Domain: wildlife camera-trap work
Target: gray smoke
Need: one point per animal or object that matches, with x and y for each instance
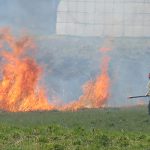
(36, 16)
(69, 61)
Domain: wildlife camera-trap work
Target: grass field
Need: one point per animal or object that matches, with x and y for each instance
(93, 129)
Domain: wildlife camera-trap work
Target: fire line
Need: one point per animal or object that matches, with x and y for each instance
(20, 75)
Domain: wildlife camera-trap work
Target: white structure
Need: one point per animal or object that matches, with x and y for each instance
(104, 18)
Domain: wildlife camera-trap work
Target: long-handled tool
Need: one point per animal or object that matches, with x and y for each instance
(130, 97)
(138, 96)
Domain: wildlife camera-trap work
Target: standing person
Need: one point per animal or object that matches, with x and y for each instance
(148, 93)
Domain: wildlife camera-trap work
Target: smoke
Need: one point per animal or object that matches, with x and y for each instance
(68, 62)
(38, 17)
(130, 66)
(74, 60)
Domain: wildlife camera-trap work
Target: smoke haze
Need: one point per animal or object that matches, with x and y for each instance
(69, 61)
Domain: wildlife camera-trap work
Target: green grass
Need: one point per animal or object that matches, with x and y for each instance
(94, 129)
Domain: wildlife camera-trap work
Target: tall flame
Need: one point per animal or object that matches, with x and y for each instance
(95, 92)
(20, 75)
(19, 88)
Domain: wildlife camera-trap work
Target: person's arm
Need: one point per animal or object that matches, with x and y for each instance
(148, 87)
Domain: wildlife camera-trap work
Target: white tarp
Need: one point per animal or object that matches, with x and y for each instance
(104, 18)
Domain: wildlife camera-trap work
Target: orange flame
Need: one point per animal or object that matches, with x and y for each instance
(19, 88)
(95, 93)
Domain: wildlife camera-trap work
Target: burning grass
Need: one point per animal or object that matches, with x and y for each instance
(20, 75)
(19, 89)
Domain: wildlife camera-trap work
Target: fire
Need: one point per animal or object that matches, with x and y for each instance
(95, 92)
(20, 75)
(107, 45)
